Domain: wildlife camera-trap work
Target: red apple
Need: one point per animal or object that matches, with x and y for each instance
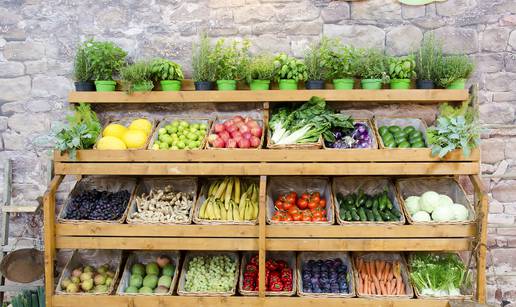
(218, 128)
(247, 135)
(212, 138)
(236, 134)
(231, 128)
(255, 142)
(224, 135)
(238, 138)
(228, 123)
(237, 119)
(219, 143)
(244, 143)
(231, 143)
(243, 129)
(256, 131)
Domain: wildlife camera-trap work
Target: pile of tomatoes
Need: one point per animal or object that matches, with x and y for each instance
(310, 207)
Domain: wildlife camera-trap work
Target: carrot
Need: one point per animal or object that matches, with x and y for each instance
(390, 274)
(368, 267)
(376, 284)
(382, 265)
(366, 285)
(360, 285)
(386, 272)
(399, 286)
(373, 288)
(390, 287)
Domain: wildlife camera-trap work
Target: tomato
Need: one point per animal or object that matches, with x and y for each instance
(290, 199)
(305, 196)
(316, 219)
(276, 218)
(288, 218)
(316, 194)
(293, 210)
(312, 205)
(323, 212)
(287, 206)
(297, 217)
(306, 218)
(293, 194)
(322, 203)
(323, 219)
(278, 204)
(315, 199)
(302, 203)
(317, 214)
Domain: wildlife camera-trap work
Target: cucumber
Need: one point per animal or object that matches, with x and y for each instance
(386, 216)
(354, 215)
(348, 216)
(342, 214)
(370, 216)
(375, 203)
(377, 216)
(381, 204)
(396, 213)
(362, 215)
(389, 204)
(369, 203)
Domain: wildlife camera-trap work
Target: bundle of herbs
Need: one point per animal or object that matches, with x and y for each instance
(306, 123)
(439, 274)
(80, 132)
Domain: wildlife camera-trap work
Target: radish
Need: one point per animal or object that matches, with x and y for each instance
(224, 135)
(256, 131)
(236, 134)
(231, 143)
(219, 128)
(255, 142)
(219, 143)
(247, 135)
(237, 119)
(244, 143)
(228, 123)
(231, 128)
(244, 129)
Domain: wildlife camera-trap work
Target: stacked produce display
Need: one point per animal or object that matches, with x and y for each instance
(152, 277)
(215, 273)
(362, 207)
(88, 279)
(180, 135)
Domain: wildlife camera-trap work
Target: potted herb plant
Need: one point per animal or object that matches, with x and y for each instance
(402, 71)
(341, 63)
(260, 72)
(231, 62)
(137, 77)
(453, 71)
(373, 69)
(82, 71)
(106, 60)
(202, 65)
(289, 71)
(169, 74)
(428, 58)
(316, 70)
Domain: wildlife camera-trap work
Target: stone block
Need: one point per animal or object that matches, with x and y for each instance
(512, 40)
(11, 69)
(454, 7)
(489, 62)
(376, 10)
(495, 39)
(26, 123)
(403, 40)
(335, 12)
(504, 96)
(8, 17)
(225, 3)
(304, 11)
(13, 141)
(493, 150)
(507, 21)
(411, 11)
(457, 40)
(23, 51)
(495, 206)
(510, 62)
(505, 191)
(497, 113)
(501, 82)
(506, 231)
(510, 149)
(270, 43)
(12, 33)
(360, 36)
(253, 14)
(303, 28)
(500, 218)
(15, 88)
(43, 86)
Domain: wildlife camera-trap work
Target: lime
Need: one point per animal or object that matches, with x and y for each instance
(162, 131)
(195, 126)
(174, 147)
(181, 145)
(175, 123)
(163, 145)
(203, 127)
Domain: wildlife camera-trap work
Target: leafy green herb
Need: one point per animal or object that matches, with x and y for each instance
(402, 67)
(261, 67)
(314, 59)
(373, 65)
(204, 69)
(232, 61)
(428, 57)
(452, 68)
(137, 74)
(80, 132)
(439, 274)
(106, 59)
(340, 61)
(82, 66)
(290, 68)
(163, 69)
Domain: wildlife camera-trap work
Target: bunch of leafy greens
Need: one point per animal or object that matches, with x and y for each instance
(231, 60)
(454, 67)
(204, 69)
(341, 61)
(261, 67)
(80, 132)
(439, 274)
(306, 123)
(315, 57)
(137, 74)
(428, 58)
(455, 128)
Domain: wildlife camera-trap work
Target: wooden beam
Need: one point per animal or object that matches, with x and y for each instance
(262, 248)
(457, 168)
(20, 209)
(482, 211)
(385, 96)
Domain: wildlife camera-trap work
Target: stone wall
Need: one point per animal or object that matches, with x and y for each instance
(37, 41)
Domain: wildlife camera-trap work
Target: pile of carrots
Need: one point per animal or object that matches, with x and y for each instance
(379, 277)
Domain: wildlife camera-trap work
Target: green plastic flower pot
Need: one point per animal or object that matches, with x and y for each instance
(343, 84)
(105, 85)
(226, 85)
(458, 84)
(170, 85)
(144, 87)
(259, 85)
(400, 84)
(371, 84)
(287, 84)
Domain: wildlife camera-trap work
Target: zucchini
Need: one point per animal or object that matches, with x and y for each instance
(369, 203)
(362, 214)
(354, 215)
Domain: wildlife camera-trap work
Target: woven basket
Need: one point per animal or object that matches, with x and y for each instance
(370, 185)
(145, 257)
(401, 122)
(167, 121)
(279, 185)
(389, 257)
(204, 194)
(289, 257)
(219, 120)
(101, 183)
(182, 279)
(95, 258)
(303, 257)
(442, 185)
(372, 134)
(126, 121)
(468, 296)
(316, 145)
(179, 184)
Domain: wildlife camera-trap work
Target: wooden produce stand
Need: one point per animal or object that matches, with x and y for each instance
(263, 163)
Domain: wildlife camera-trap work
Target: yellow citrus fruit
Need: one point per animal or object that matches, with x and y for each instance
(141, 124)
(110, 142)
(134, 138)
(115, 130)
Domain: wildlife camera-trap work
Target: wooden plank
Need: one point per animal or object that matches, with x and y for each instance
(235, 301)
(482, 211)
(262, 236)
(273, 231)
(49, 207)
(20, 209)
(369, 244)
(457, 168)
(153, 243)
(387, 96)
(265, 155)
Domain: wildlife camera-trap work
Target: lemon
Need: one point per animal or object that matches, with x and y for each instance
(110, 142)
(141, 124)
(115, 130)
(134, 138)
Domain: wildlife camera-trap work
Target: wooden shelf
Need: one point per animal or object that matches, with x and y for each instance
(244, 96)
(273, 231)
(266, 155)
(234, 301)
